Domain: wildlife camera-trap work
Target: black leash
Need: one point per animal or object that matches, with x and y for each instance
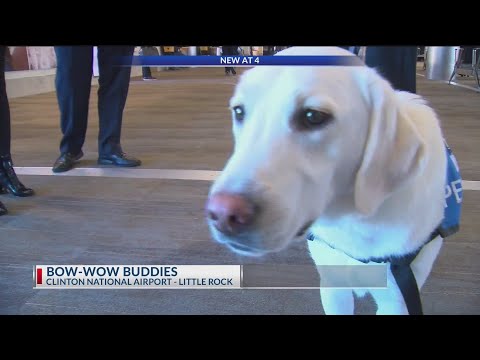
(403, 274)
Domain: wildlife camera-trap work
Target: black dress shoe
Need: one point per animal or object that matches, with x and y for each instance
(9, 181)
(3, 210)
(119, 159)
(66, 161)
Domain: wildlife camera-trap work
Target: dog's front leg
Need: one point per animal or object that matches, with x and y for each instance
(337, 301)
(334, 301)
(390, 301)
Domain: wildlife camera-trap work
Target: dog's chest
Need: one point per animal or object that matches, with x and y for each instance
(361, 240)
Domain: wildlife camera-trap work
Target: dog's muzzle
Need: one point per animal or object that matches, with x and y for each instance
(231, 214)
(234, 220)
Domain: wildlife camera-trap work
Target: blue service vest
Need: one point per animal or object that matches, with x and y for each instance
(453, 196)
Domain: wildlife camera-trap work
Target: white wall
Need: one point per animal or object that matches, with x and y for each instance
(32, 82)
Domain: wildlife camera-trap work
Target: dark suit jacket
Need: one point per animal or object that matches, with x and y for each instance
(397, 64)
(229, 50)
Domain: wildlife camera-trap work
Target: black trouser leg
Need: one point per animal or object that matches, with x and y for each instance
(73, 83)
(146, 72)
(114, 82)
(8, 179)
(5, 135)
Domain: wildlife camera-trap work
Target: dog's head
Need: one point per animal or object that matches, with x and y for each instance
(309, 142)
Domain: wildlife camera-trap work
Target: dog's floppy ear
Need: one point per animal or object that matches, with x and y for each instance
(394, 151)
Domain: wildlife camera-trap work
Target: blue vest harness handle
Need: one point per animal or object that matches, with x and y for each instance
(453, 197)
(400, 266)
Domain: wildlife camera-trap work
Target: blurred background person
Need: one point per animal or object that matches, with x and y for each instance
(397, 64)
(146, 70)
(230, 51)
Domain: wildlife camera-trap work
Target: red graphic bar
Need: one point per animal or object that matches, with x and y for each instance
(39, 276)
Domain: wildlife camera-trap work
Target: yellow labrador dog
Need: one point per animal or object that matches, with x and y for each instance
(335, 150)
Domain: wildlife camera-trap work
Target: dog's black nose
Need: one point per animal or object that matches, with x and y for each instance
(230, 213)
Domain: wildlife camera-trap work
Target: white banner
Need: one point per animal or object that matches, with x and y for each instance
(137, 277)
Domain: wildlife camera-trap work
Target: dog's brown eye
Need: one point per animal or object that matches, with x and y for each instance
(310, 118)
(239, 113)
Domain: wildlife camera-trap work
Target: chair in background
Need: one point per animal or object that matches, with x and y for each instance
(469, 69)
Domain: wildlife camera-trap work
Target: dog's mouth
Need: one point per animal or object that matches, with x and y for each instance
(304, 229)
(247, 246)
(244, 250)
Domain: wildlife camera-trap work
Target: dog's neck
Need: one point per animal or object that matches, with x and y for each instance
(388, 231)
